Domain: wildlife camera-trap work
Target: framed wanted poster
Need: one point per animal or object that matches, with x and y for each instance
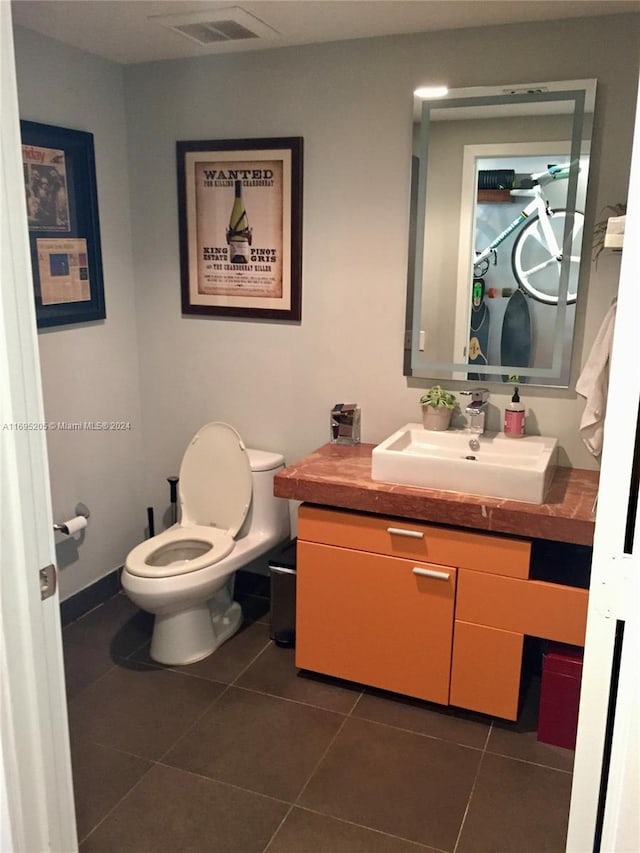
(64, 231)
(240, 209)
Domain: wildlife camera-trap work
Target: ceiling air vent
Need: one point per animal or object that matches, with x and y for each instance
(225, 25)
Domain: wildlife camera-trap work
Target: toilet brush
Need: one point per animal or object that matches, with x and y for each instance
(150, 522)
(173, 496)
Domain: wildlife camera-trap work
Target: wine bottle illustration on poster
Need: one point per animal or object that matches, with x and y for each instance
(238, 232)
(238, 216)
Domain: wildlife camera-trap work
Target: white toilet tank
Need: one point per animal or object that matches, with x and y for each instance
(267, 514)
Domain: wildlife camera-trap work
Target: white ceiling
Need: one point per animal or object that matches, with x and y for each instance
(124, 30)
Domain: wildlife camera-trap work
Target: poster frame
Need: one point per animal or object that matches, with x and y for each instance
(281, 233)
(78, 227)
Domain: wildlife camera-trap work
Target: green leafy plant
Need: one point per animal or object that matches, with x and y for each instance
(438, 398)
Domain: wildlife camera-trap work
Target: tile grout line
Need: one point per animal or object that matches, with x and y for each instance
(278, 827)
(320, 760)
(115, 806)
(315, 768)
(193, 723)
(291, 700)
(517, 758)
(419, 845)
(356, 703)
(87, 612)
(72, 699)
(146, 642)
(488, 737)
(222, 782)
(251, 662)
(529, 761)
(466, 811)
(206, 710)
(473, 787)
(304, 787)
(293, 804)
(418, 734)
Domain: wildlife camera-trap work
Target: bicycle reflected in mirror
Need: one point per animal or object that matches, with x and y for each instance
(537, 252)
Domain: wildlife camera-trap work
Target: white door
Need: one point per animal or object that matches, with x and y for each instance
(606, 788)
(36, 794)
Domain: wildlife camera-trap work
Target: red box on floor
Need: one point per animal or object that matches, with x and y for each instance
(560, 695)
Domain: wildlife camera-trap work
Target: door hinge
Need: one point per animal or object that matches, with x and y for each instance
(48, 580)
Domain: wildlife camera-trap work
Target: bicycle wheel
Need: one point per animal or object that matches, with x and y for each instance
(536, 269)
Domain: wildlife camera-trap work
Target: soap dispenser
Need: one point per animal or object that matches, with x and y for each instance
(514, 417)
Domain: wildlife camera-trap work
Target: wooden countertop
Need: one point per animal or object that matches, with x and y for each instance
(340, 476)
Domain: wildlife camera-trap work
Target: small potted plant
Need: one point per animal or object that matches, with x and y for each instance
(437, 408)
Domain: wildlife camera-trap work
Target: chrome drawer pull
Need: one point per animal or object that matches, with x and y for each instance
(400, 531)
(431, 573)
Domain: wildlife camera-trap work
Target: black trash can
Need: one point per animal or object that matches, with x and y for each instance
(282, 571)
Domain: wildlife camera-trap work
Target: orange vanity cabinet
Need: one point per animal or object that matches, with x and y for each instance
(375, 619)
(493, 614)
(427, 611)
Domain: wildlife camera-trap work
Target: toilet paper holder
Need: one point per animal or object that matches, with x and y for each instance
(70, 526)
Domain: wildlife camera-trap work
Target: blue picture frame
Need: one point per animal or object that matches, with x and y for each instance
(64, 228)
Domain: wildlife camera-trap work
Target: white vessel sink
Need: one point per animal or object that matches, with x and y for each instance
(519, 469)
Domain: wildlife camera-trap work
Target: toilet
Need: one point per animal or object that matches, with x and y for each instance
(228, 517)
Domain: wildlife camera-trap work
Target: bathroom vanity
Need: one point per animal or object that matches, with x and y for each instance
(427, 593)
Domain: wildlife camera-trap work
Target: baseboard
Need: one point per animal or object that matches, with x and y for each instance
(82, 602)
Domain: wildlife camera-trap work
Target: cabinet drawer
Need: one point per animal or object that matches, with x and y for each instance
(485, 672)
(376, 620)
(547, 610)
(415, 541)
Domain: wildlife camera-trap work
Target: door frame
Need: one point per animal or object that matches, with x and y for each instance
(36, 790)
(606, 786)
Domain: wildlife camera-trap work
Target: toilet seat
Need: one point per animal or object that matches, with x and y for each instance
(214, 491)
(219, 542)
(215, 479)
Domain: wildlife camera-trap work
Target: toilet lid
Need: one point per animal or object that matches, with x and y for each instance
(215, 479)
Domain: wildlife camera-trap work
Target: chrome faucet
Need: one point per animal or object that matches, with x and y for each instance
(476, 408)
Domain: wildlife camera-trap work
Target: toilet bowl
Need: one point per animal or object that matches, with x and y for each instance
(229, 516)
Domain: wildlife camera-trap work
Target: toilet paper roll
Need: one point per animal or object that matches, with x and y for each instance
(74, 525)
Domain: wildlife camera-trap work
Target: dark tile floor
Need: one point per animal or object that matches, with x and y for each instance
(241, 753)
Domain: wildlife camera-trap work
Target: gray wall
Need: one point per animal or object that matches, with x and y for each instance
(352, 103)
(90, 371)
(276, 382)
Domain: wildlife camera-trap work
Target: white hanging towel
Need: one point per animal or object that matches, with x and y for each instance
(593, 384)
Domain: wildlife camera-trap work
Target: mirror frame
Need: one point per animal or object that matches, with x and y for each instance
(582, 94)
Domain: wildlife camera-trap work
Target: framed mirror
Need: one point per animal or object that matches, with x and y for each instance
(499, 183)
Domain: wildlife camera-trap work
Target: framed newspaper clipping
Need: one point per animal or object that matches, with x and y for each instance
(64, 231)
(240, 220)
